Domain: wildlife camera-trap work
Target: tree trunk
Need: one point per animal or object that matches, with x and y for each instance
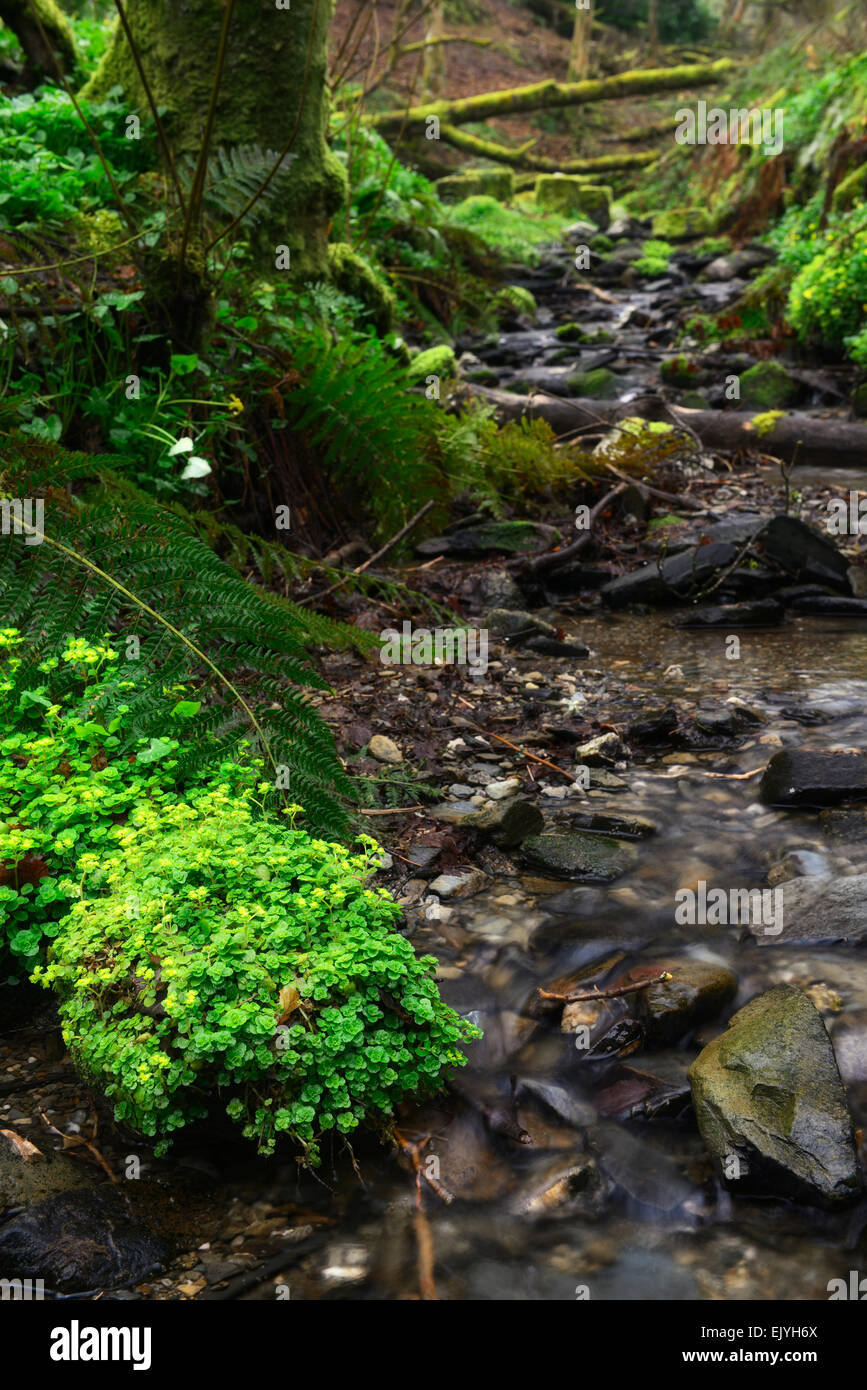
(541, 96)
(804, 438)
(653, 30)
(579, 54)
(273, 84)
(44, 34)
(434, 73)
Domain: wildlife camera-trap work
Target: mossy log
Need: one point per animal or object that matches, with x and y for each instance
(522, 158)
(543, 96)
(44, 34)
(831, 443)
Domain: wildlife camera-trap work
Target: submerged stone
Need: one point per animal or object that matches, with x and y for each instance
(771, 1106)
(578, 855)
(802, 777)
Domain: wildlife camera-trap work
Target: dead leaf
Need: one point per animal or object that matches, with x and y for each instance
(23, 1147)
(290, 1000)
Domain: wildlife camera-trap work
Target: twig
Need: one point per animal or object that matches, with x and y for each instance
(550, 558)
(585, 996)
(389, 545)
(673, 497)
(524, 752)
(391, 811)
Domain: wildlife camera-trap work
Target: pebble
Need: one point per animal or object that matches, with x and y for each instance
(385, 750)
(498, 791)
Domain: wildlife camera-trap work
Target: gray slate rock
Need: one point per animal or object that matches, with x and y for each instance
(819, 909)
(768, 1093)
(802, 777)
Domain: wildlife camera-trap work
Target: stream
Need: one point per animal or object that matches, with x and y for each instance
(562, 1172)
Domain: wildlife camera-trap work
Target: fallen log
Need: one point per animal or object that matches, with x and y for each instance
(793, 438)
(522, 158)
(543, 96)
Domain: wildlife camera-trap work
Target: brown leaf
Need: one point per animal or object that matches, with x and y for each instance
(290, 1000)
(25, 1149)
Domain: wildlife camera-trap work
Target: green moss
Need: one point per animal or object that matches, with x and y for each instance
(571, 195)
(353, 275)
(851, 189)
(436, 361)
(484, 183)
(766, 423)
(600, 384)
(768, 385)
(680, 371)
(682, 224)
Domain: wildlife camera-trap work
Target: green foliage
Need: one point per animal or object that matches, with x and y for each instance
(680, 21)
(516, 232)
(49, 169)
(112, 559)
(654, 258)
(220, 952)
(829, 292)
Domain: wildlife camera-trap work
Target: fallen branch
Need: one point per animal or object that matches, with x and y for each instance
(586, 996)
(552, 559)
(543, 96)
(521, 158)
(829, 442)
(389, 545)
(523, 752)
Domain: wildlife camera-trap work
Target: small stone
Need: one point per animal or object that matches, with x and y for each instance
(385, 750)
(605, 748)
(498, 791)
(462, 885)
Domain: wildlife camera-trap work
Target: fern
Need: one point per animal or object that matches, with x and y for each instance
(114, 560)
(375, 442)
(234, 175)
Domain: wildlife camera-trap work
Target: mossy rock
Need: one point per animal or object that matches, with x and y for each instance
(579, 856)
(859, 400)
(692, 400)
(771, 1106)
(602, 244)
(600, 384)
(680, 371)
(682, 224)
(353, 275)
(767, 386)
(570, 195)
(436, 361)
(489, 183)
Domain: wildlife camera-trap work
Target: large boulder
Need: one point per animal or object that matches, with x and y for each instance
(571, 194)
(771, 1106)
(802, 777)
(485, 183)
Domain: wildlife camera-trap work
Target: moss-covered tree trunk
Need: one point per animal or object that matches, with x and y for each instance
(273, 86)
(43, 33)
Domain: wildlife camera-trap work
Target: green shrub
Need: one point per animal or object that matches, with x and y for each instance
(219, 952)
(829, 292)
(654, 258)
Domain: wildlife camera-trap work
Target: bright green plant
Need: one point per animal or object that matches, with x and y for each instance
(220, 952)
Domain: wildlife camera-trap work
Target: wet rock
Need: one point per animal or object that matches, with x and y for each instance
(803, 554)
(462, 885)
(562, 1101)
(681, 224)
(647, 1089)
(579, 233)
(760, 613)
(770, 1103)
(831, 606)
(847, 824)
(578, 855)
(818, 909)
(385, 750)
(503, 537)
(499, 590)
(24, 1181)
(602, 823)
(605, 748)
(849, 1036)
(672, 580)
(640, 1171)
(553, 646)
(79, 1241)
(505, 823)
(498, 791)
(557, 1184)
(697, 991)
(652, 727)
(802, 777)
(631, 227)
(516, 625)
